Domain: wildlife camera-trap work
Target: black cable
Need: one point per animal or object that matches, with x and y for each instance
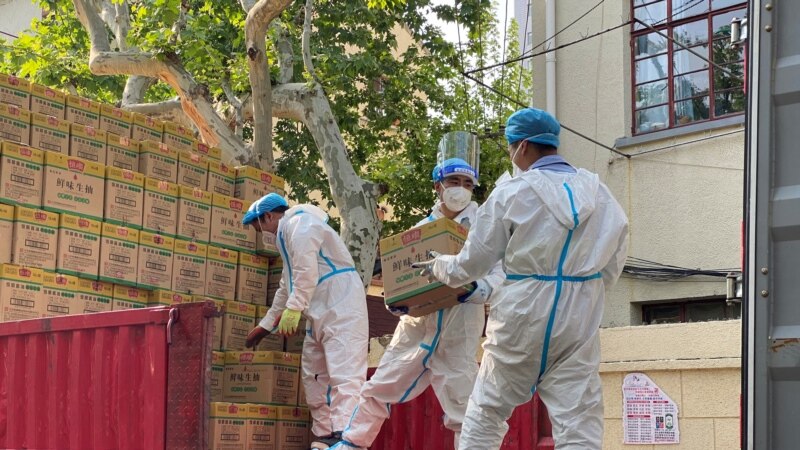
(525, 43)
(667, 147)
(565, 28)
(9, 34)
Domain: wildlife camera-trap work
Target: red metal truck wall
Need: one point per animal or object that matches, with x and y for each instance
(417, 425)
(91, 381)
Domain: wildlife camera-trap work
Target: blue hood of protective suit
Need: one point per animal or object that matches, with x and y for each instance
(550, 186)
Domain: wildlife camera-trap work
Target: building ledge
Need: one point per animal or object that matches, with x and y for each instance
(671, 364)
(629, 141)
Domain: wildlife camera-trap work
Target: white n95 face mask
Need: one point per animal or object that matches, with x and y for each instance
(456, 198)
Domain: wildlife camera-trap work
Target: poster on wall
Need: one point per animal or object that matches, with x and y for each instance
(649, 416)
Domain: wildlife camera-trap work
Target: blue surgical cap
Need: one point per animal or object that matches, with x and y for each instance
(265, 204)
(533, 125)
(453, 166)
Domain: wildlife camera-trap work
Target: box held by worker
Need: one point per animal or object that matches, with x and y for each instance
(227, 229)
(251, 279)
(78, 246)
(49, 133)
(73, 185)
(82, 111)
(402, 284)
(119, 254)
(93, 296)
(261, 377)
(189, 267)
(59, 292)
(20, 293)
(221, 273)
(227, 426)
(160, 213)
(15, 124)
(35, 238)
(21, 175)
(237, 321)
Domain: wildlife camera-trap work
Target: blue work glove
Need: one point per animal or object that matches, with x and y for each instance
(480, 293)
(398, 311)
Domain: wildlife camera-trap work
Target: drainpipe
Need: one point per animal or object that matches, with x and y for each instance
(550, 58)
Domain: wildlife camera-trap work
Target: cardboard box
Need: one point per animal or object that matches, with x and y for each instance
(82, 111)
(252, 184)
(73, 185)
(261, 427)
(216, 324)
(122, 152)
(212, 153)
(49, 102)
(272, 342)
(227, 426)
(119, 254)
(59, 293)
(221, 178)
(189, 267)
(237, 321)
(194, 214)
(294, 343)
(217, 374)
(21, 295)
(155, 261)
(162, 297)
(301, 391)
(127, 297)
(15, 124)
(261, 377)
(146, 129)
(293, 426)
(252, 279)
(21, 175)
(116, 121)
(78, 246)
(178, 137)
(160, 207)
(88, 143)
(227, 229)
(158, 161)
(192, 170)
(15, 91)
(124, 197)
(35, 238)
(6, 230)
(49, 133)
(274, 278)
(93, 296)
(267, 245)
(221, 273)
(402, 284)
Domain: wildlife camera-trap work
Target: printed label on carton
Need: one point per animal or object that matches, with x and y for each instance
(160, 207)
(192, 170)
(59, 293)
(221, 273)
(15, 124)
(6, 229)
(119, 254)
(228, 426)
(162, 297)
(35, 238)
(227, 229)
(78, 246)
(115, 120)
(261, 377)
(88, 143)
(252, 183)
(221, 178)
(14, 91)
(292, 428)
(189, 267)
(128, 297)
(194, 214)
(73, 185)
(237, 322)
(146, 128)
(122, 152)
(124, 197)
(212, 153)
(252, 279)
(48, 101)
(21, 175)
(93, 296)
(82, 111)
(177, 136)
(155, 261)
(20, 293)
(49, 133)
(157, 160)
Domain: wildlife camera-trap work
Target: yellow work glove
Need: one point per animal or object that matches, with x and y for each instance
(288, 322)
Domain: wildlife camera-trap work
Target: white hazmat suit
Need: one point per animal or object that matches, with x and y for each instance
(435, 350)
(562, 238)
(319, 278)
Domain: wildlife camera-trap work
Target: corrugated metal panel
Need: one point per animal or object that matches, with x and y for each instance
(417, 425)
(96, 380)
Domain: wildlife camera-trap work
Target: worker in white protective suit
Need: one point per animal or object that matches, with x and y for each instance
(436, 350)
(319, 281)
(563, 239)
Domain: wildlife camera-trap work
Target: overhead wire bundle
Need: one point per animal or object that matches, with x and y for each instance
(655, 271)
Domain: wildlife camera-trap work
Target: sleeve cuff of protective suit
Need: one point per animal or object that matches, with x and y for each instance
(268, 322)
(441, 271)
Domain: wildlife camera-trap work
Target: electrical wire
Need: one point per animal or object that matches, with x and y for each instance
(654, 271)
(9, 34)
(565, 27)
(524, 43)
(667, 147)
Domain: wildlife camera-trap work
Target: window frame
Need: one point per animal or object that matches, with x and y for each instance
(682, 309)
(668, 28)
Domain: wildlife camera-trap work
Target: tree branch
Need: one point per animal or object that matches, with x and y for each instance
(192, 95)
(255, 30)
(306, 41)
(285, 53)
(171, 110)
(235, 103)
(135, 88)
(179, 24)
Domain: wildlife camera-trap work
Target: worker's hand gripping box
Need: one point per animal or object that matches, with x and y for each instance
(88, 143)
(15, 124)
(160, 207)
(127, 297)
(15, 91)
(221, 178)
(49, 133)
(237, 321)
(49, 102)
(6, 229)
(217, 375)
(261, 427)
(192, 170)
(119, 254)
(59, 293)
(194, 214)
(228, 426)
(73, 185)
(78, 246)
(251, 279)
(189, 267)
(35, 238)
(261, 377)
(20, 293)
(93, 296)
(293, 428)
(402, 284)
(252, 184)
(82, 111)
(124, 197)
(116, 121)
(122, 152)
(227, 229)
(155, 261)
(294, 343)
(271, 342)
(221, 273)
(157, 160)
(146, 129)
(21, 174)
